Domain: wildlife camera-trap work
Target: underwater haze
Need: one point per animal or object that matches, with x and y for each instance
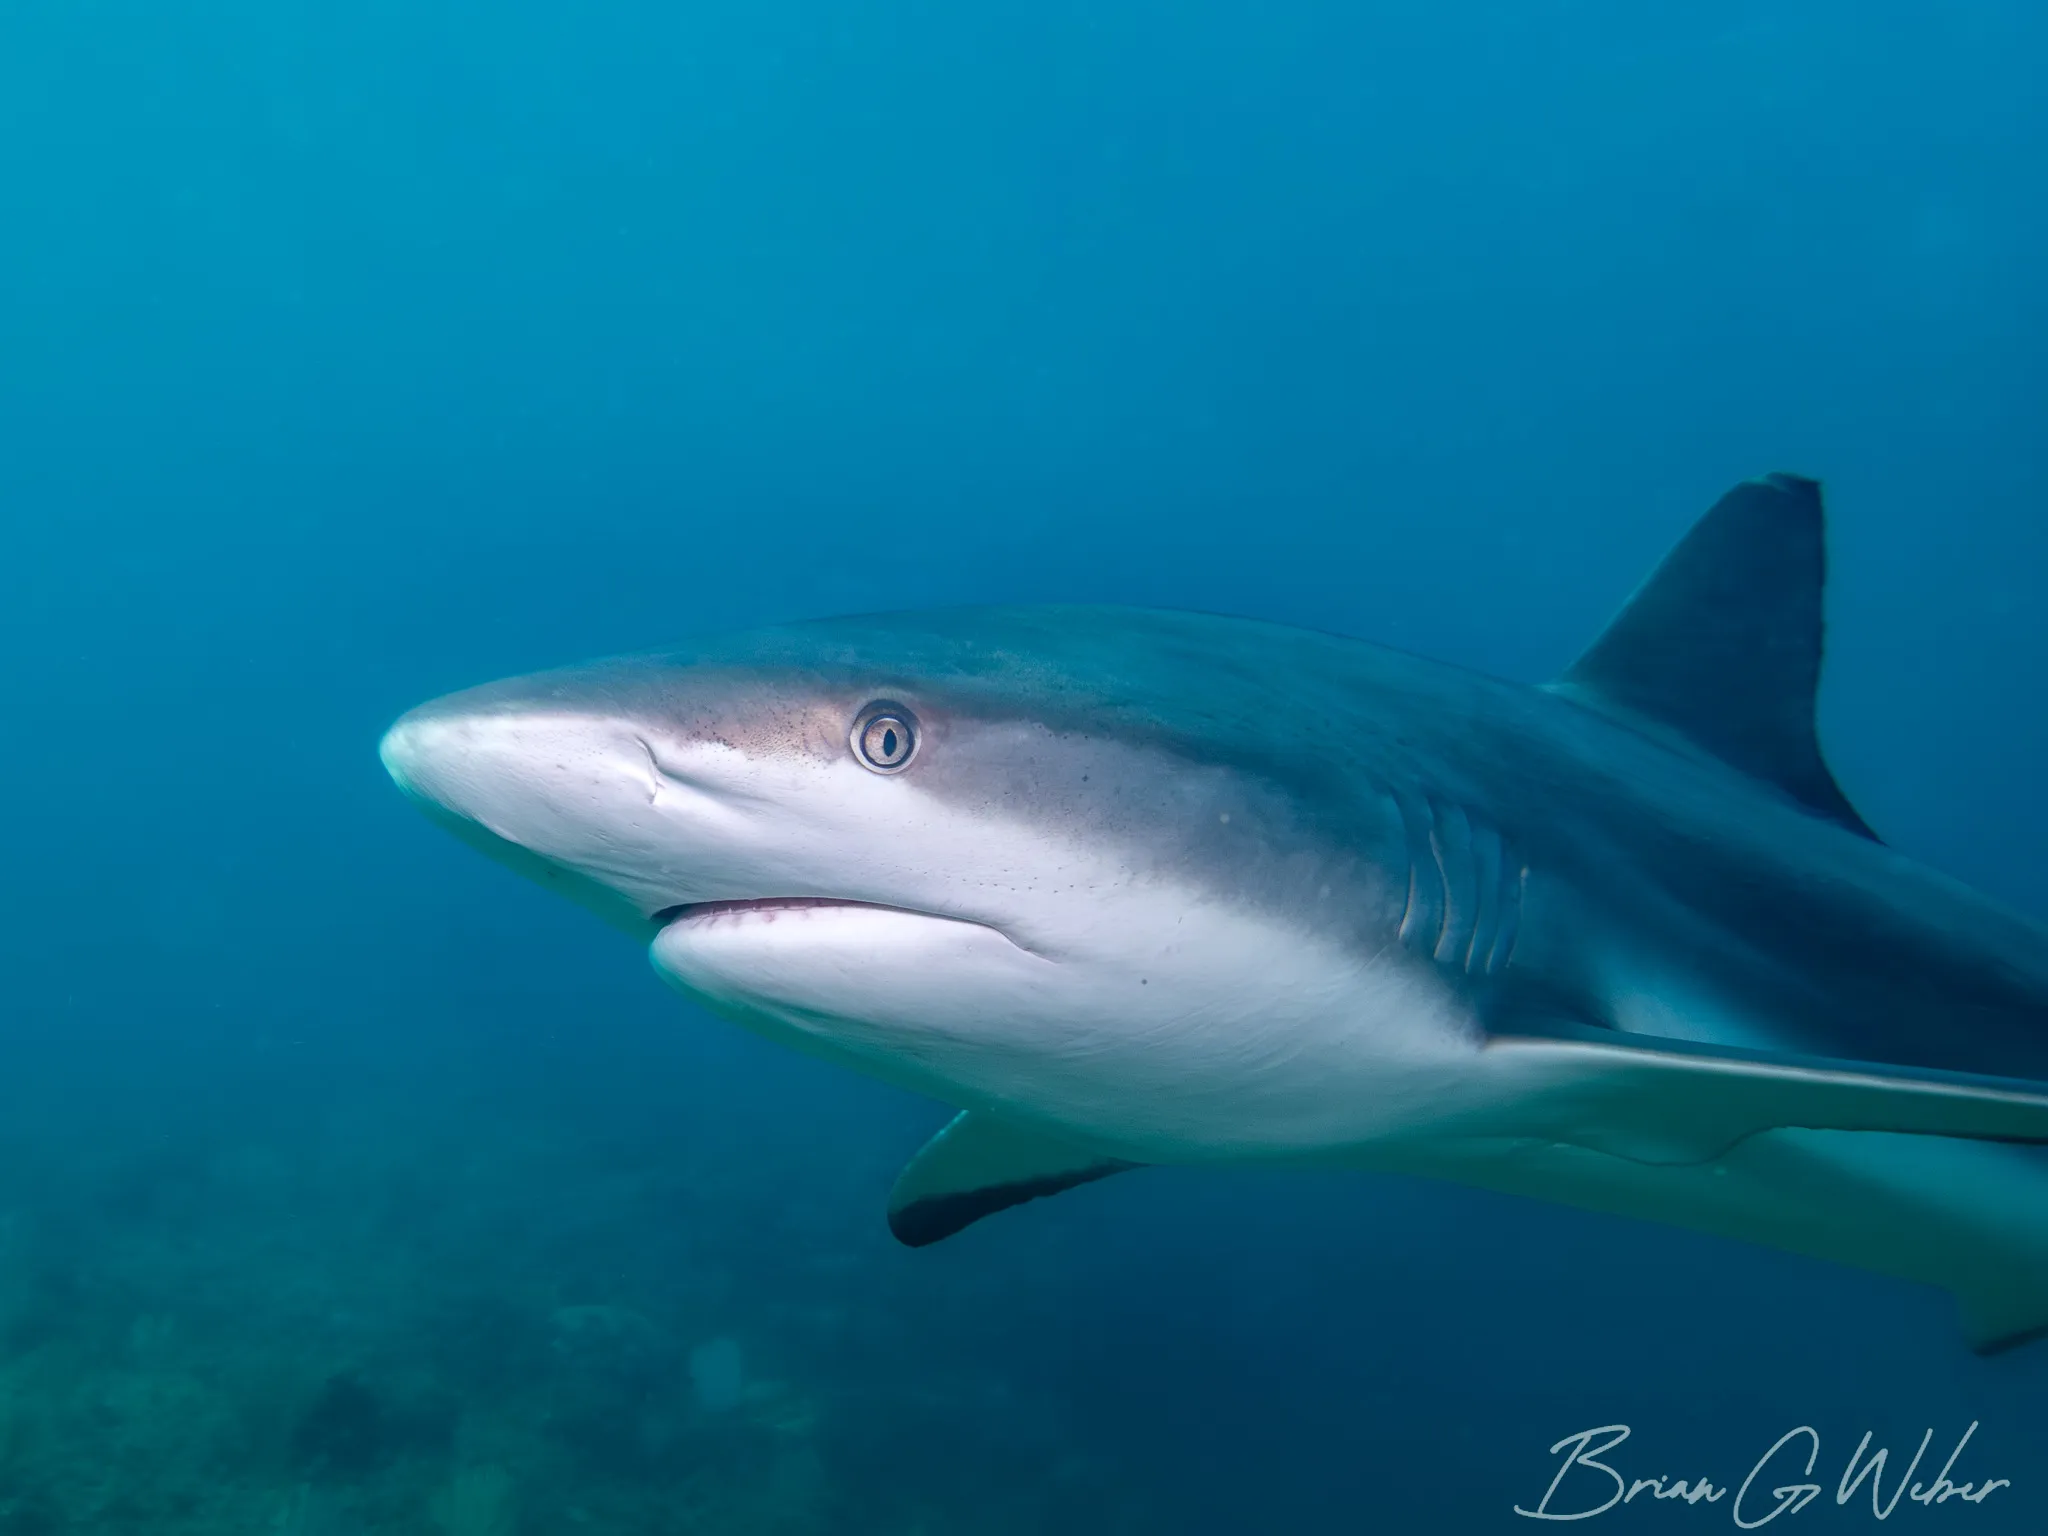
(352, 354)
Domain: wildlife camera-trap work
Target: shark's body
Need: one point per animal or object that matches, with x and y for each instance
(1134, 887)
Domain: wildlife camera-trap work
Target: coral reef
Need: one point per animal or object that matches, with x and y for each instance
(475, 1501)
(392, 1318)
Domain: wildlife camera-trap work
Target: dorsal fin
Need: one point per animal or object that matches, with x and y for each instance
(1723, 643)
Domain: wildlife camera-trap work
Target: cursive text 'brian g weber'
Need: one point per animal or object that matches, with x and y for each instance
(1779, 1483)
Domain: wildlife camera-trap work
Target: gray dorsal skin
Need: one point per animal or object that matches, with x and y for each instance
(1723, 643)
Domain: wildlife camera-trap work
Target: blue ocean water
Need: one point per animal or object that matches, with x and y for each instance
(353, 354)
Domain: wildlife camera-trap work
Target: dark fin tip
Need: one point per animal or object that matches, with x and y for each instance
(1797, 485)
(2012, 1341)
(927, 1221)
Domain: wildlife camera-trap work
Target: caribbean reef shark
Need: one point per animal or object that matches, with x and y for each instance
(1129, 887)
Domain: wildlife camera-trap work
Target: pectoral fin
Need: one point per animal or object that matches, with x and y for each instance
(1675, 1102)
(978, 1165)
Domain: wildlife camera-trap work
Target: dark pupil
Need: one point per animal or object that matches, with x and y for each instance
(888, 743)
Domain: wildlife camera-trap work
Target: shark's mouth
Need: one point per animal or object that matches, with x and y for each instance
(769, 906)
(766, 909)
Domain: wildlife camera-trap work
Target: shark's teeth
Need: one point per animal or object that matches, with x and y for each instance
(756, 904)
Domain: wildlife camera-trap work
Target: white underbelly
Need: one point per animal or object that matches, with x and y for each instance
(1209, 1036)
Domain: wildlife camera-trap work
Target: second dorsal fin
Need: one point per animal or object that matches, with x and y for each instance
(1723, 643)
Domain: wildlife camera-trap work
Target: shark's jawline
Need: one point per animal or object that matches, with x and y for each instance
(689, 909)
(768, 906)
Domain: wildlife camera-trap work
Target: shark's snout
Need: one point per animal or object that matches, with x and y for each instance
(456, 764)
(510, 765)
(409, 751)
(564, 796)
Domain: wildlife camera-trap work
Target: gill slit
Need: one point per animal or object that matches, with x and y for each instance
(1466, 887)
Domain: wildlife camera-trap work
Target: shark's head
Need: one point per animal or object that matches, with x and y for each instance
(1036, 858)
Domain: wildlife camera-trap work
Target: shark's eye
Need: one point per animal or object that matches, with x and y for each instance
(884, 737)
